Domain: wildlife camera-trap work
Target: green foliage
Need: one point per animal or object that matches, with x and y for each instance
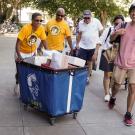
(74, 8)
(20, 25)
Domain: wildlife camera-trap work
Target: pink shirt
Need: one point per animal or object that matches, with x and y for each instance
(126, 58)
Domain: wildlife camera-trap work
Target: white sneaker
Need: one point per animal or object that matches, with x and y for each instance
(107, 98)
(88, 79)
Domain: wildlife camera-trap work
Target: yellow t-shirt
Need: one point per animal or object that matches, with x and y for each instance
(56, 32)
(29, 38)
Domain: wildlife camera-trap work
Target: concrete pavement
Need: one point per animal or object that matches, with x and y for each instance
(94, 119)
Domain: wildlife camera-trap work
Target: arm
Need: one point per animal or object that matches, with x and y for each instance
(17, 48)
(113, 36)
(98, 44)
(97, 48)
(70, 43)
(100, 32)
(95, 55)
(117, 33)
(43, 43)
(20, 38)
(78, 39)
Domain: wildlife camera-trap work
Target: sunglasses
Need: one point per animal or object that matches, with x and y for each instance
(60, 15)
(38, 20)
(86, 18)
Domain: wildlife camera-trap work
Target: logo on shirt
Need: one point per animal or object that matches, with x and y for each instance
(55, 30)
(32, 39)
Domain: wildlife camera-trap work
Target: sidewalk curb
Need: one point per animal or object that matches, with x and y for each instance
(9, 35)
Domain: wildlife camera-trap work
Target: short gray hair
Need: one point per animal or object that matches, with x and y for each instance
(60, 10)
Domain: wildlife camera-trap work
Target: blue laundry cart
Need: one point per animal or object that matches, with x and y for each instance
(56, 92)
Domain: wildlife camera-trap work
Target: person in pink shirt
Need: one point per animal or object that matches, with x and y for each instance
(125, 64)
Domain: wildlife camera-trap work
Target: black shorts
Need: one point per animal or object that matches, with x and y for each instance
(86, 54)
(104, 65)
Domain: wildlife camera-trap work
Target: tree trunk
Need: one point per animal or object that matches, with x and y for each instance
(103, 18)
(14, 13)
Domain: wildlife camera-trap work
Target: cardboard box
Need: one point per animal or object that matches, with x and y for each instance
(36, 60)
(59, 61)
(76, 61)
(49, 53)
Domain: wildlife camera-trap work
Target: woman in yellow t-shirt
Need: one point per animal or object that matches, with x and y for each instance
(26, 44)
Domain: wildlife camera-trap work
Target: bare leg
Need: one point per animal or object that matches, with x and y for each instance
(115, 89)
(16, 77)
(117, 77)
(106, 82)
(131, 97)
(89, 63)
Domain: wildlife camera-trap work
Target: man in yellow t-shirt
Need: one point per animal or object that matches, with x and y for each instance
(26, 44)
(57, 30)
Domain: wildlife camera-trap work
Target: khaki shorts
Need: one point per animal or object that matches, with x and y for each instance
(120, 74)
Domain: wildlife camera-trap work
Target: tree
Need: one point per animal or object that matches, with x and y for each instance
(103, 9)
(14, 5)
(9, 9)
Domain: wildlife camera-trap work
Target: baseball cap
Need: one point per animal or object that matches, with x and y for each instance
(132, 7)
(87, 13)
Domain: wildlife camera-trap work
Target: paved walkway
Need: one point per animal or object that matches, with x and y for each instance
(94, 119)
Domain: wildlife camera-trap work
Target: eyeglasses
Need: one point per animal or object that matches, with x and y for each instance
(60, 15)
(38, 20)
(86, 18)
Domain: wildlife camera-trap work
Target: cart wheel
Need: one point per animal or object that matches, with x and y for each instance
(25, 107)
(52, 121)
(74, 115)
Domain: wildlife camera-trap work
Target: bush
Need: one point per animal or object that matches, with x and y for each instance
(20, 25)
